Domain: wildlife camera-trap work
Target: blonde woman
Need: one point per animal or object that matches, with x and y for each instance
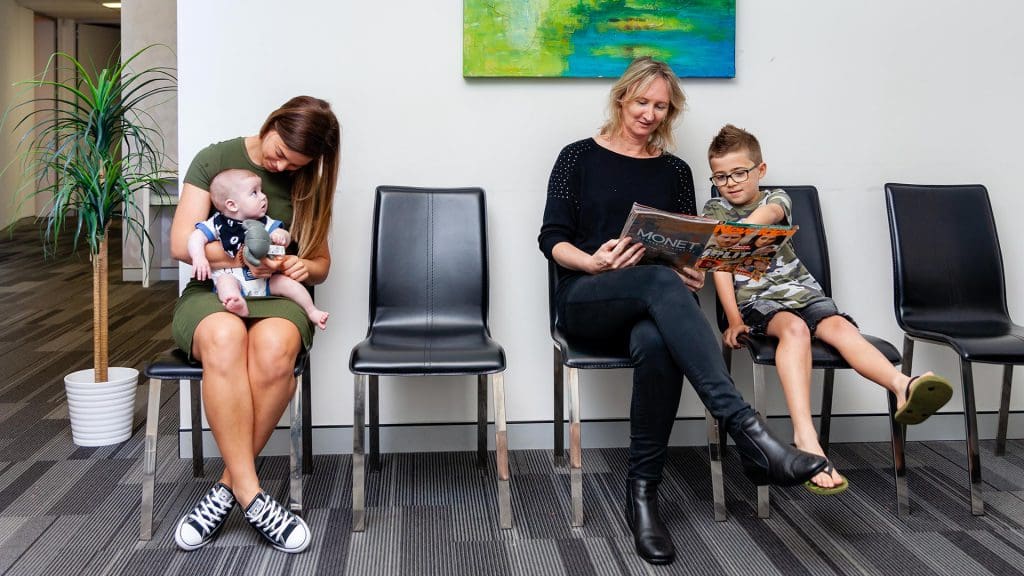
(602, 294)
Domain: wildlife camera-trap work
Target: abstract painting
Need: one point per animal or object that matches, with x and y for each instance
(597, 38)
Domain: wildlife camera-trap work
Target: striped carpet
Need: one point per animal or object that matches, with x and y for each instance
(74, 511)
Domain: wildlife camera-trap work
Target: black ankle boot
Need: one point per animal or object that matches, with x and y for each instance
(766, 460)
(653, 543)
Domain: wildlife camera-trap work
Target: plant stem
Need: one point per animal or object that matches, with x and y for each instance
(100, 313)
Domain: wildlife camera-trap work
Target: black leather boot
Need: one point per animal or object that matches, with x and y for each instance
(766, 460)
(653, 543)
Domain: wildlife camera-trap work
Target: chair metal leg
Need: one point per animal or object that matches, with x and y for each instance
(898, 438)
(559, 410)
(481, 421)
(358, 464)
(374, 423)
(196, 398)
(971, 423)
(763, 493)
(306, 386)
(717, 478)
(575, 448)
(1004, 410)
(149, 461)
(723, 442)
(295, 452)
(501, 452)
(825, 427)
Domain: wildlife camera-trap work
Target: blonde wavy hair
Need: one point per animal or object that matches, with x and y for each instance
(307, 125)
(635, 81)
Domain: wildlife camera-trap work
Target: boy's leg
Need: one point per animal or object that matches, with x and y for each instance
(229, 291)
(281, 285)
(862, 356)
(793, 364)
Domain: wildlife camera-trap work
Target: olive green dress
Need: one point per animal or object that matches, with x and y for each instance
(198, 300)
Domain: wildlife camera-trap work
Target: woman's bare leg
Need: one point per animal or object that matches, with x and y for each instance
(221, 343)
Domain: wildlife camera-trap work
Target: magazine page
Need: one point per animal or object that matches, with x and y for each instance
(746, 249)
(669, 238)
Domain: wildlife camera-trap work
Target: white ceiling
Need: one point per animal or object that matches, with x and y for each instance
(82, 10)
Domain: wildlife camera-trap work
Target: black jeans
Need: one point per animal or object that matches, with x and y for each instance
(669, 338)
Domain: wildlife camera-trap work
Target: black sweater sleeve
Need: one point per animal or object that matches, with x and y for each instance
(561, 209)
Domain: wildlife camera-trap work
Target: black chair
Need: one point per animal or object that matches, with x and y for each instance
(950, 289)
(428, 316)
(580, 354)
(173, 366)
(812, 249)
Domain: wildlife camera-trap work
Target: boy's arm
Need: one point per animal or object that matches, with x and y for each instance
(197, 251)
(767, 214)
(727, 297)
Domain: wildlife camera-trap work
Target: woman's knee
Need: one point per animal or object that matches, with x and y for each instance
(272, 352)
(220, 339)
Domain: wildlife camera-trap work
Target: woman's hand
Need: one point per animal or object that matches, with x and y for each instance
(694, 279)
(266, 268)
(732, 334)
(294, 268)
(616, 254)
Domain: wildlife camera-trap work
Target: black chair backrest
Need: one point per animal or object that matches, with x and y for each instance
(429, 257)
(809, 242)
(945, 253)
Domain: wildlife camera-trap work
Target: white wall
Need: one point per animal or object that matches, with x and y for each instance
(845, 96)
(16, 49)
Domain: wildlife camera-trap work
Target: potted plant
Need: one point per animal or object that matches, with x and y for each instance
(89, 152)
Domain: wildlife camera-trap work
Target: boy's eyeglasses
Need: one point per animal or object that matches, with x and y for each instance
(739, 177)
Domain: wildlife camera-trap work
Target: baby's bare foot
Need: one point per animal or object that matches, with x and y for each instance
(236, 304)
(318, 317)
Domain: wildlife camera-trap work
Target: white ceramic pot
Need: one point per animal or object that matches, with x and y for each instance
(101, 412)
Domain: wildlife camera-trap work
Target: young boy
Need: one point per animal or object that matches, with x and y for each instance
(789, 304)
(238, 195)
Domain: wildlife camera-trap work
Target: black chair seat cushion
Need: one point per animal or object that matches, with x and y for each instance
(762, 351)
(410, 350)
(592, 354)
(175, 365)
(995, 343)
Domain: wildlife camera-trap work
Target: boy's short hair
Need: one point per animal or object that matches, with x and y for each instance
(226, 182)
(732, 139)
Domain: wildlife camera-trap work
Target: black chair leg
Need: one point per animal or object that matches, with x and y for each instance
(481, 421)
(971, 423)
(374, 402)
(307, 419)
(196, 397)
(559, 410)
(1004, 410)
(825, 428)
(898, 438)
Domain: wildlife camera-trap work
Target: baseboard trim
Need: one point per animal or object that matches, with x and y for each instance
(458, 436)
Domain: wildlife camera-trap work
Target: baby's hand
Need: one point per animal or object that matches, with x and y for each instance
(200, 268)
(281, 237)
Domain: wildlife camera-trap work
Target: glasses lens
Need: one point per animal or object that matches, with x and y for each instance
(739, 176)
(719, 179)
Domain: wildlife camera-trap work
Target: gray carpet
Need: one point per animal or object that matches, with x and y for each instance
(70, 510)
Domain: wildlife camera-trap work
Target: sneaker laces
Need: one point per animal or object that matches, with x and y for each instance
(273, 520)
(209, 513)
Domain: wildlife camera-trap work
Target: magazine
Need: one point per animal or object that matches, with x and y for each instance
(680, 240)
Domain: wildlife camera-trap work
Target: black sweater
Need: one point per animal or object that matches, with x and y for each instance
(591, 190)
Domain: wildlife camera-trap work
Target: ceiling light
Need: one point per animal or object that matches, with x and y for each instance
(114, 5)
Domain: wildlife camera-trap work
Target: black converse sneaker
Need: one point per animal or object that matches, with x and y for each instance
(286, 531)
(198, 528)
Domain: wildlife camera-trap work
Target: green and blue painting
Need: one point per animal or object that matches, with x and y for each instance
(597, 38)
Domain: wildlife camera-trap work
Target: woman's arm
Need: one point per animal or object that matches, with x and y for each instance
(612, 255)
(312, 271)
(193, 207)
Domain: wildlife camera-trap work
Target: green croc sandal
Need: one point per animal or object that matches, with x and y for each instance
(821, 490)
(925, 395)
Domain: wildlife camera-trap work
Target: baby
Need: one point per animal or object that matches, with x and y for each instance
(238, 195)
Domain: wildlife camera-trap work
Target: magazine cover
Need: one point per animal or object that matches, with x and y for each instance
(680, 240)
